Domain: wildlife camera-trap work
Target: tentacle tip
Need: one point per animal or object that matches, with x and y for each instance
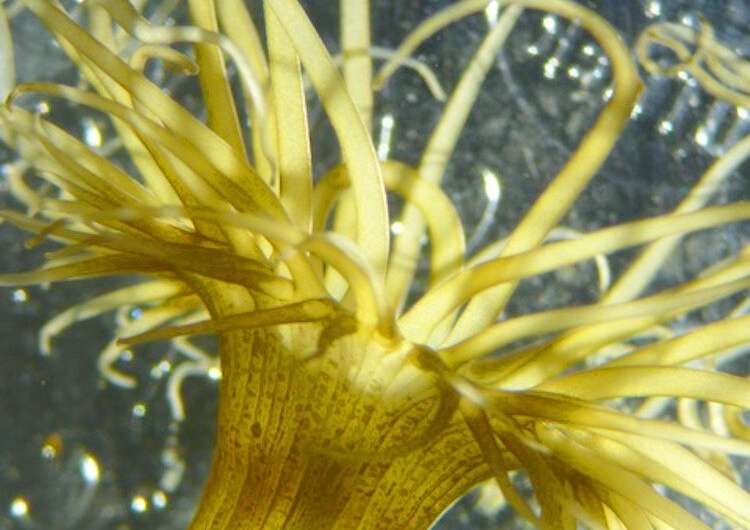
(177, 417)
(118, 379)
(9, 280)
(45, 344)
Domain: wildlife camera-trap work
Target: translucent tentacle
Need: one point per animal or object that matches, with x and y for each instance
(294, 159)
(663, 305)
(438, 302)
(561, 193)
(440, 147)
(301, 312)
(356, 146)
(8, 75)
(174, 116)
(142, 293)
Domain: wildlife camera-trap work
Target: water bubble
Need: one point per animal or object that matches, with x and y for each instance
(161, 369)
(214, 373)
(20, 296)
(654, 9)
(139, 410)
(139, 504)
(666, 127)
(42, 107)
(159, 499)
(491, 184)
(549, 22)
(92, 134)
(550, 68)
(19, 508)
(89, 469)
(385, 137)
(685, 76)
(701, 137)
(52, 447)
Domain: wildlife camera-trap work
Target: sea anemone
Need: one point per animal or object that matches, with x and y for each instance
(358, 391)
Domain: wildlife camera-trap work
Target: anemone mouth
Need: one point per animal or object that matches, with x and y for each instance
(327, 370)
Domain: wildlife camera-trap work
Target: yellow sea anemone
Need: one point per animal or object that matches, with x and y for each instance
(341, 405)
